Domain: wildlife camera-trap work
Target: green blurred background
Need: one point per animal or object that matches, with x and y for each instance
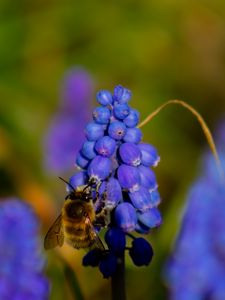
(161, 50)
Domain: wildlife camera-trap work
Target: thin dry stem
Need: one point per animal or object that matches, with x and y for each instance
(201, 121)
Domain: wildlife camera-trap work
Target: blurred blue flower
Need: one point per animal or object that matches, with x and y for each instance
(66, 131)
(196, 269)
(114, 156)
(21, 261)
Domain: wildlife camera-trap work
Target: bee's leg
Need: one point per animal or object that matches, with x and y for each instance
(103, 218)
(97, 189)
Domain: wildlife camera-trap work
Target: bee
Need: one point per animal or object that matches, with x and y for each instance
(76, 223)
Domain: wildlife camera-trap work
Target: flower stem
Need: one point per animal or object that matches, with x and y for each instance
(118, 280)
(201, 121)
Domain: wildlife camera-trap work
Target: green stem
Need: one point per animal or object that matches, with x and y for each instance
(118, 280)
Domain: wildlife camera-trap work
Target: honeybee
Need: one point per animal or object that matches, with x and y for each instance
(75, 224)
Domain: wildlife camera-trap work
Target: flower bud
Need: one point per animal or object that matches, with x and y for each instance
(92, 258)
(141, 199)
(117, 130)
(105, 146)
(108, 265)
(116, 240)
(130, 154)
(121, 111)
(101, 115)
(141, 228)
(88, 149)
(104, 97)
(149, 153)
(155, 198)
(148, 178)
(114, 192)
(150, 218)
(132, 119)
(129, 177)
(141, 252)
(94, 131)
(81, 161)
(100, 167)
(121, 94)
(133, 135)
(126, 217)
(78, 179)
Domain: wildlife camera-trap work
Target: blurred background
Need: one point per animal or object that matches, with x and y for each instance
(160, 50)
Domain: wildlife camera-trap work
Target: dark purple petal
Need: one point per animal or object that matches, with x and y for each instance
(92, 258)
(116, 240)
(141, 252)
(108, 265)
(126, 217)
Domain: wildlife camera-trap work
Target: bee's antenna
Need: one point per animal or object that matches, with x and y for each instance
(69, 184)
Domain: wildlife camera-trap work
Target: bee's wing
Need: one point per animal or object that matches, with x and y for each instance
(55, 235)
(97, 244)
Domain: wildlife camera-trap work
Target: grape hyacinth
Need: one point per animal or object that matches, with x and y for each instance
(115, 158)
(65, 134)
(196, 269)
(21, 261)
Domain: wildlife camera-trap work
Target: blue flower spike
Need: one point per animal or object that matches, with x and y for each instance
(21, 257)
(125, 186)
(195, 269)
